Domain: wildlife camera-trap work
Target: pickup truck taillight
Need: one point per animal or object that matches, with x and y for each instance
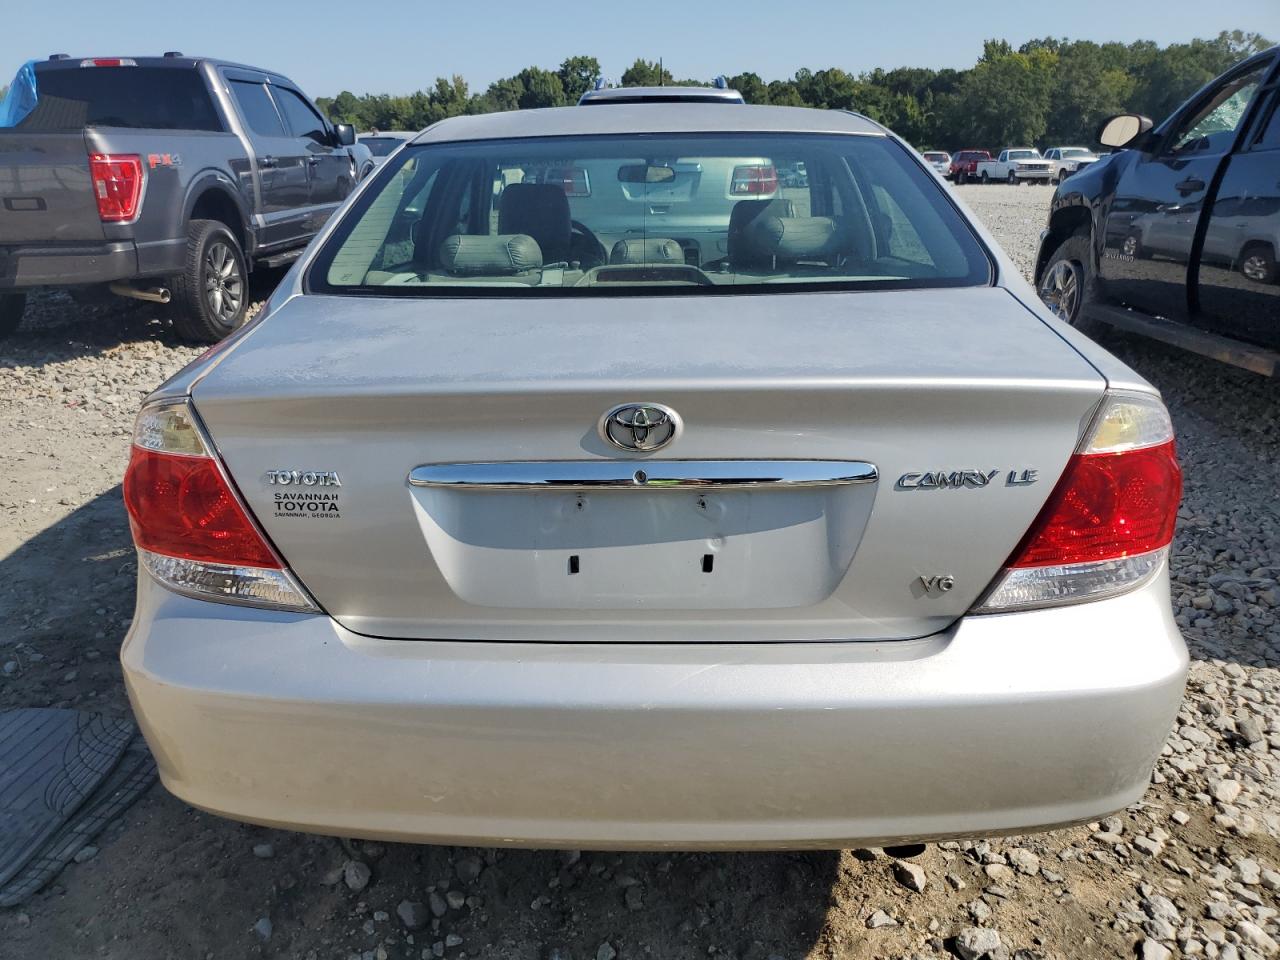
(754, 180)
(117, 185)
(1107, 526)
(193, 533)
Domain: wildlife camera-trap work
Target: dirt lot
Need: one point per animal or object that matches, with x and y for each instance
(1189, 871)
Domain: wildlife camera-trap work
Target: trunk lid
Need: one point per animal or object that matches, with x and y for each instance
(959, 391)
(45, 191)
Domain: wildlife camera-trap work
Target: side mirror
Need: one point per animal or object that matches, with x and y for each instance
(1120, 131)
(345, 133)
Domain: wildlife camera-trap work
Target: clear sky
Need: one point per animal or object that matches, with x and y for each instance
(397, 46)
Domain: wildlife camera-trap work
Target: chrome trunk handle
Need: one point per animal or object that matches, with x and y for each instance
(643, 475)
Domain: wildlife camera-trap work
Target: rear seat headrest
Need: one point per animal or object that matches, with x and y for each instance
(506, 253)
(648, 250)
(795, 238)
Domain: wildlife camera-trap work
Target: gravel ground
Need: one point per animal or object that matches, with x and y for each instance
(1191, 870)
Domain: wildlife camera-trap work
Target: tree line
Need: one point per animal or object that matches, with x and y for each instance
(1045, 91)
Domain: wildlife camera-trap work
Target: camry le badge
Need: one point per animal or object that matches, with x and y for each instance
(961, 479)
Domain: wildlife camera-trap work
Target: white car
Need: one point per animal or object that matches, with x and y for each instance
(1064, 161)
(382, 143)
(940, 160)
(837, 539)
(1016, 165)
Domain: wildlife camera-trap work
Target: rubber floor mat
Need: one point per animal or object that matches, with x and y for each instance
(135, 772)
(50, 762)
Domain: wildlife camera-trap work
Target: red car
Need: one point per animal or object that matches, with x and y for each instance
(964, 164)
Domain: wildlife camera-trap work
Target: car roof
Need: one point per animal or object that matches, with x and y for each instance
(177, 61)
(396, 134)
(672, 94)
(624, 118)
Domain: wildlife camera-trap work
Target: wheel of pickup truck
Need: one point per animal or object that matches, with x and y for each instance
(11, 307)
(1013, 179)
(961, 178)
(211, 294)
(1069, 283)
(985, 178)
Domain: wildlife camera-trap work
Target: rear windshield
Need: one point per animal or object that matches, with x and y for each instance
(152, 98)
(381, 146)
(651, 213)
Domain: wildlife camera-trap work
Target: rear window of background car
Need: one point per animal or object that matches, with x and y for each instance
(155, 98)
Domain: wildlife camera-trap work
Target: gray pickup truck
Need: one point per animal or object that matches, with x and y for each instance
(165, 179)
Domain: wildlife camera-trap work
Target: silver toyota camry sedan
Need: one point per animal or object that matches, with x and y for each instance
(501, 527)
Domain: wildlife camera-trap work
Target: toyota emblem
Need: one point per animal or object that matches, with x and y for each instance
(640, 427)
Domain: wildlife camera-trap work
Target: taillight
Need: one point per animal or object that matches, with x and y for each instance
(117, 185)
(754, 180)
(1107, 526)
(192, 532)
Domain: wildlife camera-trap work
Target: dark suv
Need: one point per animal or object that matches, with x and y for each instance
(1176, 235)
(161, 178)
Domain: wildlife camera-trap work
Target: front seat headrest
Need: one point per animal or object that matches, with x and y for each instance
(503, 254)
(789, 239)
(540, 210)
(744, 212)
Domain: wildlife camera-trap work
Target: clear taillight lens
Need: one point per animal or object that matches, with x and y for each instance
(192, 532)
(1107, 526)
(117, 185)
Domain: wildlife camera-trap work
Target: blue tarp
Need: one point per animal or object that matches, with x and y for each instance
(21, 98)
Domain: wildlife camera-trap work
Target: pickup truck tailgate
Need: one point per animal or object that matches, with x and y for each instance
(46, 194)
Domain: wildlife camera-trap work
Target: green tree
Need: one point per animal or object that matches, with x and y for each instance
(1004, 100)
(346, 107)
(1090, 85)
(830, 89)
(542, 88)
(577, 76)
(504, 94)
(1048, 89)
(642, 73)
(784, 93)
(752, 88)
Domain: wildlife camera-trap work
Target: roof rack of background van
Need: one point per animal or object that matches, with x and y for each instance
(603, 93)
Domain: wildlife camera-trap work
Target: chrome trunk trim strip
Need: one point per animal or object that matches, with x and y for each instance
(643, 475)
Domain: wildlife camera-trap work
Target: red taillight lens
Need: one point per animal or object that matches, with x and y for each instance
(1106, 506)
(1107, 525)
(181, 506)
(117, 185)
(754, 180)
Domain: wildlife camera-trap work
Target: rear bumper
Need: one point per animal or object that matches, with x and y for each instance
(60, 265)
(1001, 724)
